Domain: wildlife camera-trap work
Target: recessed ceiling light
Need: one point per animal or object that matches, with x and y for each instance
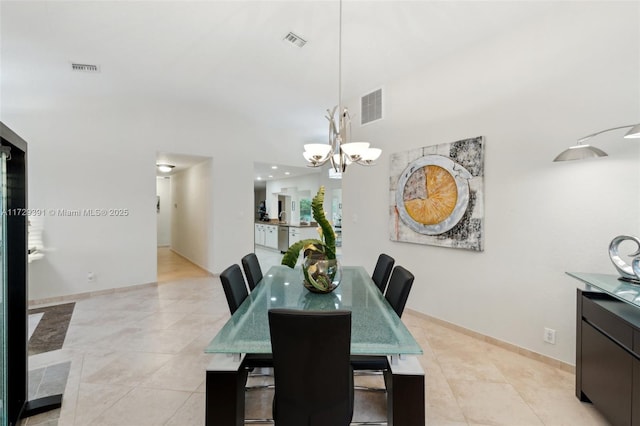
(270, 176)
(274, 167)
(165, 168)
(287, 173)
(258, 178)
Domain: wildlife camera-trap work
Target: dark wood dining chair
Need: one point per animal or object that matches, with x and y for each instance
(313, 376)
(382, 271)
(234, 287)
(399, 288)
(397, 294)
(252, 270)
(236, 292)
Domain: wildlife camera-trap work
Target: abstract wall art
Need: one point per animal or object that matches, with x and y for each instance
(436, 195)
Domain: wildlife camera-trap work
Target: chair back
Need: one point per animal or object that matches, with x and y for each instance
(382, 271)
(252, 270)
(234, 287)
(313, 375)
(399, 288)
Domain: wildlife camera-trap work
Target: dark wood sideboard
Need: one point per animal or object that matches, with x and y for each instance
(608, 356)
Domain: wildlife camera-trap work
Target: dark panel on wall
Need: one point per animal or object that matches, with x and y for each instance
(16, 258)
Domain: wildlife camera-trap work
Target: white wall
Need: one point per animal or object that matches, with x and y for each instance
(531, 94)
(82, 161)
(163, 217)
(101, 153)
(191, 213)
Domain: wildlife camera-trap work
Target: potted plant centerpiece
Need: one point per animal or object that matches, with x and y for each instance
(320, 268)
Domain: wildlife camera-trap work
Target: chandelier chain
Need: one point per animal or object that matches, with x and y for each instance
(340, 151)
(340, 61)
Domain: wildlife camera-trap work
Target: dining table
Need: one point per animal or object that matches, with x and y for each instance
(376, 330)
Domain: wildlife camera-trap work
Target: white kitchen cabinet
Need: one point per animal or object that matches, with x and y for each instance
(266, 235)
(302, 233)
(271, 236)
(294, 235)
(308, 232)
(260, 234)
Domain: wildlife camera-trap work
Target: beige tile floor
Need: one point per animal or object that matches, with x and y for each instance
(172, 266)
(137, 359)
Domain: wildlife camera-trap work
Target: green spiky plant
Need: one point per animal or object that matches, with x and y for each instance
(324, 248)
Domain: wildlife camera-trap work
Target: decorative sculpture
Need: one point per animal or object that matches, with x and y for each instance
(630, 273)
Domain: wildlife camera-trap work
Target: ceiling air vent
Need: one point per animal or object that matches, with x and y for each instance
(294, 39)
(371, 107)
(85, 68)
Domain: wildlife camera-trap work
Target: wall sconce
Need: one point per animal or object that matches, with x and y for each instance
(584, 150)
(164, 168)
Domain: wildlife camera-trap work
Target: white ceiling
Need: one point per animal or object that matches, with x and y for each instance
(231, 55)
(263, 172)
(268, 171)
(180, 162)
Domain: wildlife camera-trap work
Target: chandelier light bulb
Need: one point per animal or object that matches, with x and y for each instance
(355, 150)
(634, 133)
(318, 150)
(371, 155)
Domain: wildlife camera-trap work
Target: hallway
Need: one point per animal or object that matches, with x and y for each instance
(172, 266)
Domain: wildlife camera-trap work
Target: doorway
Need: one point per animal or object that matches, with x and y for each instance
(183, 215)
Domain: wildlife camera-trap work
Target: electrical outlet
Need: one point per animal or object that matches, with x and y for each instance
(91, 277)
(549, 335)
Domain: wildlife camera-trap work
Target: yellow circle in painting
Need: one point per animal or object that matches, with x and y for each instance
(431, 195)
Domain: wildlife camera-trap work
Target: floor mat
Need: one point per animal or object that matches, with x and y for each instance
(52, 328)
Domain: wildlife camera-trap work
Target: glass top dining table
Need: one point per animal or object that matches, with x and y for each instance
(375, 327)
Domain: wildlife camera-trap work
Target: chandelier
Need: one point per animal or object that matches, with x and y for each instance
(339, 151)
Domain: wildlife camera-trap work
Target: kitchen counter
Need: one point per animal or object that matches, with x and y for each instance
(280, 236)
(291, 225)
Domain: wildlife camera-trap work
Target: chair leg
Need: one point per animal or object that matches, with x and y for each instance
(256, 373)
(362, 373)
(259, 387)
(260, 372)
(368, 372)
(369, 422)
(369, 389)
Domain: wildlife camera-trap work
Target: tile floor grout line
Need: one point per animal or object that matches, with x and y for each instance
(455, 396)
(131, 388)
(178, 409)
(77, 393)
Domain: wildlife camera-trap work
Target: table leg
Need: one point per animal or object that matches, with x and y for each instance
(225, 385)
(405, 393)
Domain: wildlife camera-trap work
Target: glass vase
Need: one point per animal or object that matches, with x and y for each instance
(321, 275)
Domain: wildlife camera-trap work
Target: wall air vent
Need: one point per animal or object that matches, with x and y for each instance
(371, 107)
(85, 68)
(294, 39)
